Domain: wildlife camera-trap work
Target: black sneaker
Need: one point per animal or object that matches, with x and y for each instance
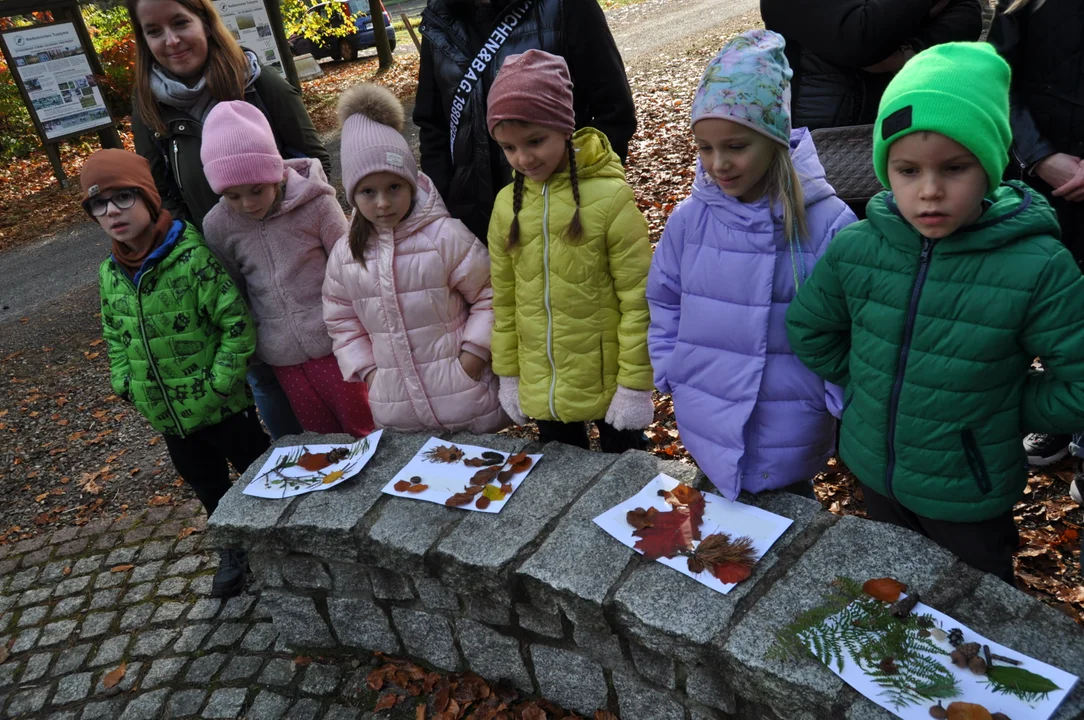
(230, 578)
(1043, 449)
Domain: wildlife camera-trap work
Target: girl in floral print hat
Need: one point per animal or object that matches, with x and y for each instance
(729, 263)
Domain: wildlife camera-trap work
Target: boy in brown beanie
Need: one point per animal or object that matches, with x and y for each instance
(178, 333)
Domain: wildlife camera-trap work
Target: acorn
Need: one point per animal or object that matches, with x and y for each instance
(977, 665)
(969, 649)
(958, 658)
(937, 711)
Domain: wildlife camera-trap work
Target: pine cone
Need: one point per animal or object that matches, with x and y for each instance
(955, 636)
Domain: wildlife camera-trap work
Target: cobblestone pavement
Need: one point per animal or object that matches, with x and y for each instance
(77, 604)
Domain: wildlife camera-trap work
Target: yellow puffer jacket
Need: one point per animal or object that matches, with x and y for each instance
(570, 319)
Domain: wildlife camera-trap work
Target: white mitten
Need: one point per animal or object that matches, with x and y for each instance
(630, 409)
(509, 397)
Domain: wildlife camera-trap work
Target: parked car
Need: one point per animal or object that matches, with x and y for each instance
(347, 46)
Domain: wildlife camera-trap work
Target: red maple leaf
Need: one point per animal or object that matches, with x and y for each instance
(671, 533)
(731, 572)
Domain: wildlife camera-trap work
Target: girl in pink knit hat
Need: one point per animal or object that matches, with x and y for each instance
(273, 229)
(407, 297)
(570, 257)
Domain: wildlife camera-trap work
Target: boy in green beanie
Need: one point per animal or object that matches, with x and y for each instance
(931, 311)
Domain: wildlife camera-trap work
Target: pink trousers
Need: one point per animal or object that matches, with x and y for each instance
(323, 401)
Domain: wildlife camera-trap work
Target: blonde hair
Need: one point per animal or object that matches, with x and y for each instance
(1018, 4)
(226, 68)
(785, 187)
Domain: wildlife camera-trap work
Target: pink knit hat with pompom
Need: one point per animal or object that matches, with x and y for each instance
(372, 120)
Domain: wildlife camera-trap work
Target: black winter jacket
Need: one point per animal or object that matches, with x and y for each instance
(453, 32)
(175, 159)
(829, 41)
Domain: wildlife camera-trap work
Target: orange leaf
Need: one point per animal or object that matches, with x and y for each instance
(401, 486)
(884, 589)
(158, 500)
(313, 462)
(968, 711)
(419, 488)
(114, 677)
(185, 532)
(121, 568)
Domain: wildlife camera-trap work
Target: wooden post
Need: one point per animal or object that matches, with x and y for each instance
(274, 16)
(410, 29)
(380, 34)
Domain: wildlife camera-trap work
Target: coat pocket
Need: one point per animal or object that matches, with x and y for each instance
(975, 461)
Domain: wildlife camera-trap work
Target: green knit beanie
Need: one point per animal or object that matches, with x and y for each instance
(960, 90)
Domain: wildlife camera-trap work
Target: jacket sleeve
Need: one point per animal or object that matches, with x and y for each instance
(332, 223)
(664, 297)
(598, 72)
(120, 370)
(433, 130)
(290, 119)
(629, 249)
(505, 347)
(350, 340)
(960, 21)
(467, 261)
(1054, 330)
(848, 33)
(1028, 144)
(217, 240)
(818, 323)
(148, 148)
(223, 300)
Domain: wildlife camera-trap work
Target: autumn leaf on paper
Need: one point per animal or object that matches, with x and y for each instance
(671, 534)
(332, 477)
(401, 486)
(884, 589)
(313, 462)
(731, 572)
(115, 676)
(690, 497)
(481, 502)
(444, 454)
(417, 488)
(495, 493)
(640, 518)
(459, 500)
(968, 711)
(486, 475)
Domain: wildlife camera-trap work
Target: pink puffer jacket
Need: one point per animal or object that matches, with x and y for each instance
(279, 262)
(422, 297)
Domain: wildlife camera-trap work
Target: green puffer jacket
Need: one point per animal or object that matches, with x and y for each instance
(570, 319)
(933, 341)
(179, 336)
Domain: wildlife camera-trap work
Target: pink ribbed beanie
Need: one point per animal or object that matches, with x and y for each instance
(534, 87)
(238, 147)
(372, 120)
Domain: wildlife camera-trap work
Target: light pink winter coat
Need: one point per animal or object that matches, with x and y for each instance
(422, 297)
(279, 262)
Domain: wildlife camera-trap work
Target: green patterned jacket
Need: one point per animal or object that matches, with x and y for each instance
(179, 335)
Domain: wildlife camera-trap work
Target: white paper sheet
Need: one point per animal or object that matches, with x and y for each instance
(447, 479)
(720, 515)
(974, 688)
(279, 477)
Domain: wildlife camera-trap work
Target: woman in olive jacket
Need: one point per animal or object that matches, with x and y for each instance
(186, 62)
(844, 52)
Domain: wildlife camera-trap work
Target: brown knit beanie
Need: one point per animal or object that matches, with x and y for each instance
(534, 87)
(108, 170)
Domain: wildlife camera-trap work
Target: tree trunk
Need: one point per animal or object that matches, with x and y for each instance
(380, 34)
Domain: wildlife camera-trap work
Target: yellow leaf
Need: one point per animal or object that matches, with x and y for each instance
(332, 477)
(493, 493)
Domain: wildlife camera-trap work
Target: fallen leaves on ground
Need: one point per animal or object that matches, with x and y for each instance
(115, 676)
(458, 695)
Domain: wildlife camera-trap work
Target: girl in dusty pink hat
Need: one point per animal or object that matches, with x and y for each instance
(407, 297)
(273, 229)
(570, 255)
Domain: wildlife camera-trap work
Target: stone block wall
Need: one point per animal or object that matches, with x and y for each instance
(541, 596)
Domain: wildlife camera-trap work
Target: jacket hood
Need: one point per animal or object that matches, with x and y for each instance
(305, 181)
(428, 208)
(750, 216)
(1014, 211)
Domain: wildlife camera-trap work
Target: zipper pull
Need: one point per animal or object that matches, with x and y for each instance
(927, 248)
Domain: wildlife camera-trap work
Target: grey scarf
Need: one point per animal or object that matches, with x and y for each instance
(195, 100)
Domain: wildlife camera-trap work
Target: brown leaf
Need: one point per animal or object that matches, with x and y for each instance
(521, 465)
(640, 518)
(443, 697)
(474, 489)
(604, 715)
(302, 661)
(506, 475)
(459, 500)
(419, 713)
(485, 476)
(386, 702)
(158, 500)
(533, 712)
(968, 711)
(4, 654)
(185, 532)
(67, 571)
(444, 454)
(375, 679)
(506, 488)
(313, 461)
(419, 488)
(121, 568)
(481, 502)
(115, 676)
(884, 589)
(401, 486)
(430, 682)
(517, 458)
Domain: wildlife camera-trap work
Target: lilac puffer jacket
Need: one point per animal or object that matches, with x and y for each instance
(750, 413)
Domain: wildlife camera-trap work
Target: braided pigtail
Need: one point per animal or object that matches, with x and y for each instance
(574, 231)
(517, 203)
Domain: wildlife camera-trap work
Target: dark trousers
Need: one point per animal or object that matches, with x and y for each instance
(611, 439)
(203, 458)
(987, 545)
